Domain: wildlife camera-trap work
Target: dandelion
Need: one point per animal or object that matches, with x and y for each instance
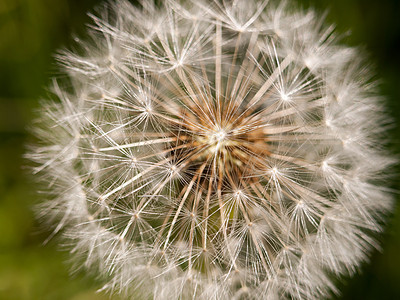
(214, 150)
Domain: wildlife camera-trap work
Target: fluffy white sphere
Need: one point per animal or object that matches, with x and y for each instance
(214, 150)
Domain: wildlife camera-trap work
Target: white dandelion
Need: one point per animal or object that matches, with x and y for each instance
(214, 150)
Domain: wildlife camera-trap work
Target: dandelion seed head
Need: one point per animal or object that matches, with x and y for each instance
(214, 150)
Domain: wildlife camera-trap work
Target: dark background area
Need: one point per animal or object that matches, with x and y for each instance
(31, 31)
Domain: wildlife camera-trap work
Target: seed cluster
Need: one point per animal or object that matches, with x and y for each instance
(214, 150)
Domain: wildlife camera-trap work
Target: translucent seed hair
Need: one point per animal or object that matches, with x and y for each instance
(214, 150)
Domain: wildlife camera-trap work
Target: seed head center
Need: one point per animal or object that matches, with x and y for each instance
(218, 137)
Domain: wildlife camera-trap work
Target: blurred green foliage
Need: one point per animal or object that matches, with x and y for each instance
(31, 31)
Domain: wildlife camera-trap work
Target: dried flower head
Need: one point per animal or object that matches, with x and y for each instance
(214, 150)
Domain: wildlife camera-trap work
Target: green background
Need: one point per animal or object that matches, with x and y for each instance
(31, 31)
